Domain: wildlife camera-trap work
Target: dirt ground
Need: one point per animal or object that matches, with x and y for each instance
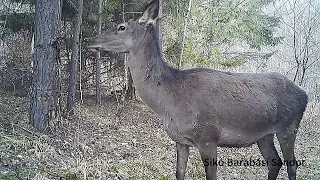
(116, 141)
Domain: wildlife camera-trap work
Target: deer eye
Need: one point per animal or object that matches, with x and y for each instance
(121, 28)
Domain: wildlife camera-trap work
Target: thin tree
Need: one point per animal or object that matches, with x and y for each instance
(300, 27)
(129, 90)
(43, 103)
(305, 26)
(74, 59)
(98, 56)
(159, 24)
(184, 30)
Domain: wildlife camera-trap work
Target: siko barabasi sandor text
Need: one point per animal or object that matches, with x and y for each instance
(252, 162)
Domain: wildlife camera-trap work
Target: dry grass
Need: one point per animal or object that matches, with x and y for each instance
(98, 144)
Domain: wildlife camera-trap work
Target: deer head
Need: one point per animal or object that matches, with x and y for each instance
(123, 37)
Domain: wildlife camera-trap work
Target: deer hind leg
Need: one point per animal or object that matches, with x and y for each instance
(208, 153)
(182, 159)
(270, 154)
(286, 140)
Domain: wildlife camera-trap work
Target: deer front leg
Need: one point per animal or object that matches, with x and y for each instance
(208, 153)
(182, 159)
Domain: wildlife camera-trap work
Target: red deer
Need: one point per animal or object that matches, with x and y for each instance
(206, 108)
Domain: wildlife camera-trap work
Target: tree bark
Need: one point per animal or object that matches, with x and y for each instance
(74, 58)
(98, 57)
(43, 100)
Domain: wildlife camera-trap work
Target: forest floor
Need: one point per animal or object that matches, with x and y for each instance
(102, 142)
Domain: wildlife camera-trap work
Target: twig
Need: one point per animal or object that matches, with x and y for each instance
(25, 129)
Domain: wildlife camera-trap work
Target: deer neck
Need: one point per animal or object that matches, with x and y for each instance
(149, 72)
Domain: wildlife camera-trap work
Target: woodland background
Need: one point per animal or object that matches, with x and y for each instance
(92, 124)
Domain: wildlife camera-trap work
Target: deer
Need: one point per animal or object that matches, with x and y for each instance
(206, 108)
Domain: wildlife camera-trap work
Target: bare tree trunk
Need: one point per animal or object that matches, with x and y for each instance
(295, 45)
(129, 91)
(43, 103)
(80, 69)
(183, 38)
(159, 23)
(74, 59)
(32, 51)
(306, 55)
(98, 57)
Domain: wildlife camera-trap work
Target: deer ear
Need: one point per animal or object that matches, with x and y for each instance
(150, 13)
